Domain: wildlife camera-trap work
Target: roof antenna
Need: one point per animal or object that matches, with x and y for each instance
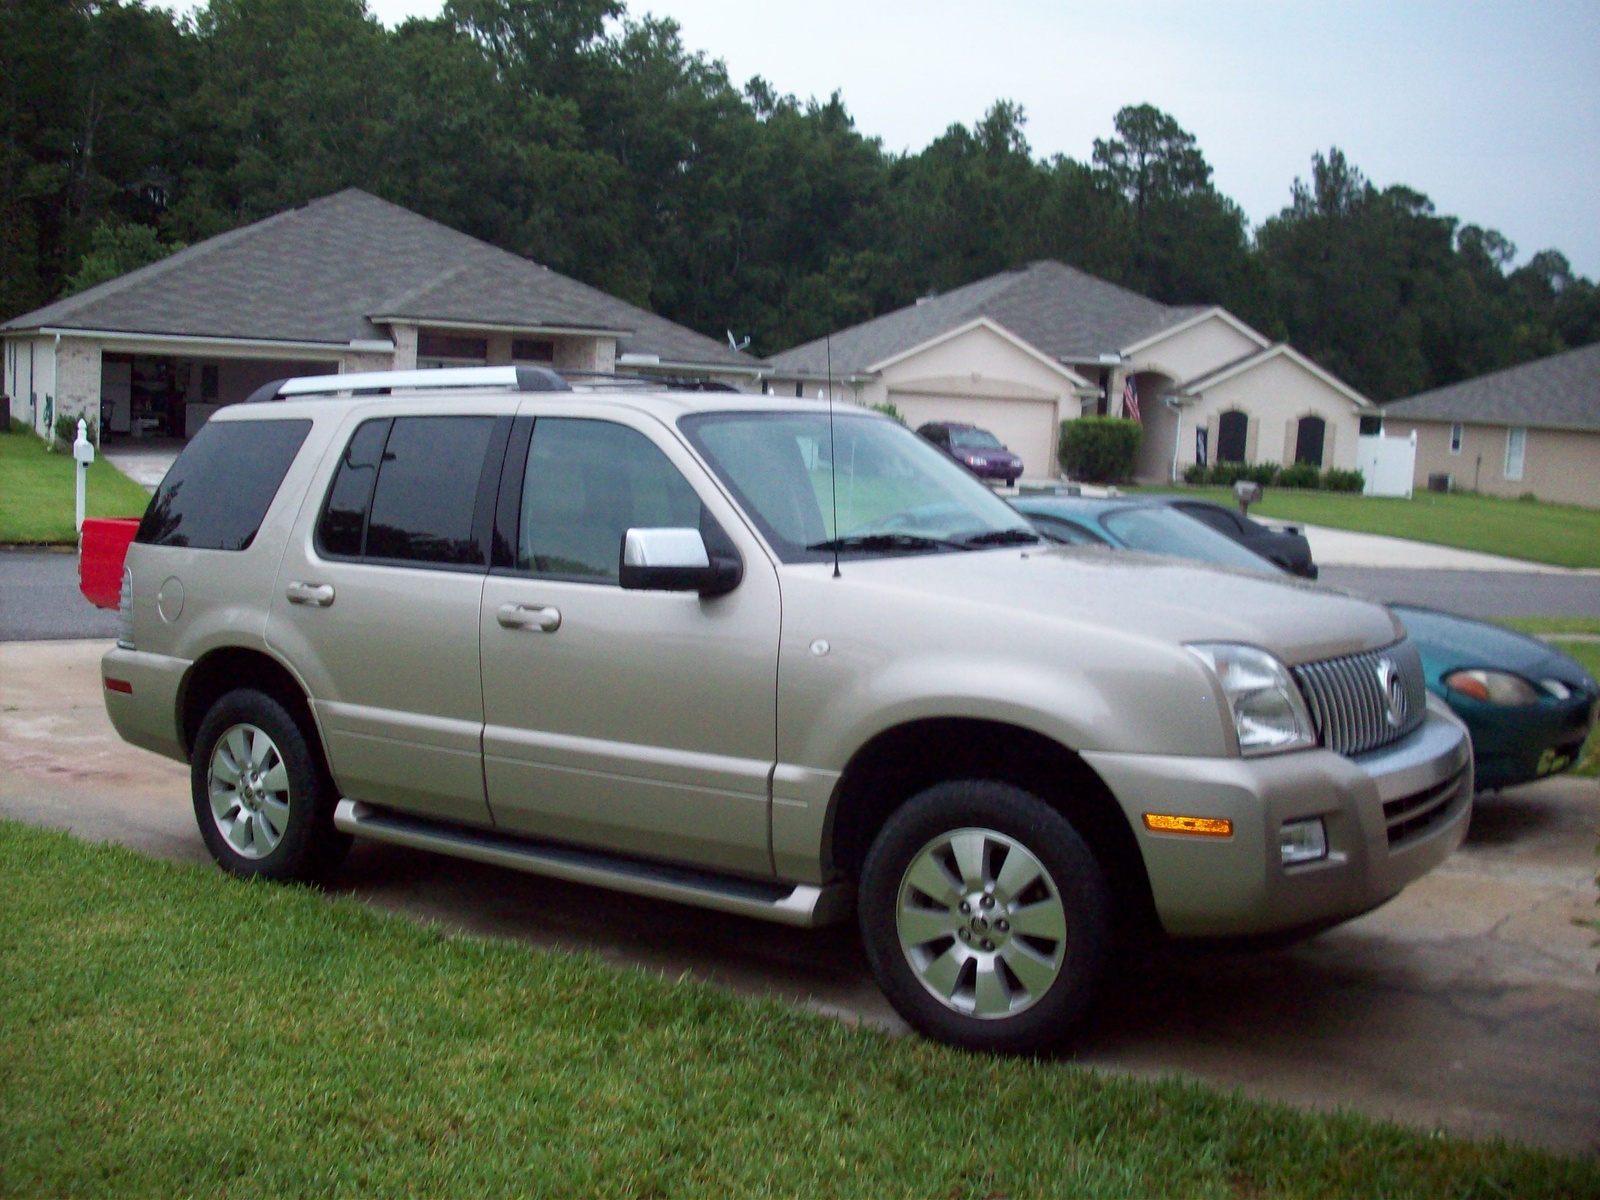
(833, 462)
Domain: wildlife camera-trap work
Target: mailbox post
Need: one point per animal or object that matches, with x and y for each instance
(1246, 493)
(83, 453)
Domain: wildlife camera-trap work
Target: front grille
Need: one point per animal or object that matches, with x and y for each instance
(1410, 815)
(1350, 705)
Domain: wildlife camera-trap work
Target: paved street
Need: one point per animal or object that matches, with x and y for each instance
(39, 599)
(1469, 1003)
(1475, 593)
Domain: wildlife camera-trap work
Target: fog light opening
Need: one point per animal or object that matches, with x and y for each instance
(1302, 841)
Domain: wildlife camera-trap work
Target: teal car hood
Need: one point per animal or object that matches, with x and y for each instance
(1449, 643)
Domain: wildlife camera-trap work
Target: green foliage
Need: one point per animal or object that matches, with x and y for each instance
(1100, 449)
(888, 409)
(38, 490)
(1300, 475)
(1266, 474)
(593, 140)
(1335, 480)
(1196, 473)
(67, 431)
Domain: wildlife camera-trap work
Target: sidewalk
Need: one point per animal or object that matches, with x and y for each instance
(1342, 548)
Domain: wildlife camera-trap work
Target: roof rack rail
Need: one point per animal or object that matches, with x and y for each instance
(521, 379)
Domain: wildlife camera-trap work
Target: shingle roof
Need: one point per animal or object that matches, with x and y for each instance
(1559, 392)
(320, 272)
(1059, 310)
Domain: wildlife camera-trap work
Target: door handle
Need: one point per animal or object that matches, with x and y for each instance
(526, 616)
(319, 594)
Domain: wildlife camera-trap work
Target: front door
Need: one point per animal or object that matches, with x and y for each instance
(635, 721)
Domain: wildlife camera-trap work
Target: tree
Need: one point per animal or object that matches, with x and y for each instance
(115, 250)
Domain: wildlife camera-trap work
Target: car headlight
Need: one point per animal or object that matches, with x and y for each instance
(1268, 712)
(1492, 687)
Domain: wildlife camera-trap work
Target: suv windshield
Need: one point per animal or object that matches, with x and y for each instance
(896, 493)
(975, 439)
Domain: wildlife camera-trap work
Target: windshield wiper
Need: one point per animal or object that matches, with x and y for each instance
(1002, 537)
(888, 541)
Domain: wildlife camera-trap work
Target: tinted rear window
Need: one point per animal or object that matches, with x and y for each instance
(217, 493)
(427, 491)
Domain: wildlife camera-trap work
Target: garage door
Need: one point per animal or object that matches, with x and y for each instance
(1027, 427)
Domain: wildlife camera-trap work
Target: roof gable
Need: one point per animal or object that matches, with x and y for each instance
(1560, 392)
(322, 272)
(1251, 362)
(1067, 373)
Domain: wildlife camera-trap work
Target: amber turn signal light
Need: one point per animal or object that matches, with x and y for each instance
(1198, 826)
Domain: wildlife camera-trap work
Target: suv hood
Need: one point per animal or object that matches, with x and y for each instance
(1166, 599)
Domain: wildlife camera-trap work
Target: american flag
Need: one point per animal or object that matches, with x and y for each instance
(1130, 400)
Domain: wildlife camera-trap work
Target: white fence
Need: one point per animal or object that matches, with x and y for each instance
(1388, 464)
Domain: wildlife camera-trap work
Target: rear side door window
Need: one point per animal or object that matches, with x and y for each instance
(417, 491)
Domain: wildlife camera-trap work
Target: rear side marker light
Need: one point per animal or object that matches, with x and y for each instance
(1195, 826)
(119, 685)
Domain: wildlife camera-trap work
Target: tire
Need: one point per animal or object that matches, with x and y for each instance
(941, 892)
(275, 819)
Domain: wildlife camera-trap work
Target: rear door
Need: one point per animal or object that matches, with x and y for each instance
(634, 721)
(378, 597)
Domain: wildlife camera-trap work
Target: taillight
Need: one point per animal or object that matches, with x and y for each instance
(125, 611)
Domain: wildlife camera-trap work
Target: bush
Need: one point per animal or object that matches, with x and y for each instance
(67, 430)
(889, 410)
(1100, 449)
(1225, 474)
(1266, 474)
(1301, 475)
(1336, 480)
(1196, 473)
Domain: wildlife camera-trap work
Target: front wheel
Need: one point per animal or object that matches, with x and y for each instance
(262, 798)
(985, 917)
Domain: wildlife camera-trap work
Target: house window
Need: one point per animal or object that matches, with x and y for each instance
(450, 350)
(1516, 449)
(1455, 438)
(208, 383)
(1308, 440)
(531, 350)
(1232, 427)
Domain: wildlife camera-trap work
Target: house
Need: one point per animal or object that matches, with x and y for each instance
(1024, 350)
(345, 283)
(1528, 430)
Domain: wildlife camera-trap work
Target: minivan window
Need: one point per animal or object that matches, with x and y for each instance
(217, 493)
(427, 491)
(589, 482)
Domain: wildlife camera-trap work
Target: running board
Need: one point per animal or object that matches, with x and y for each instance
(799, 904)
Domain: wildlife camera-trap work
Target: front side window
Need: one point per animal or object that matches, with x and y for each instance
(588, 483)
(217, 494)
(407, 490)
(895, 493)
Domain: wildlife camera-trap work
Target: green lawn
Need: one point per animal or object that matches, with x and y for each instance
(1560, 535)
(37, 492)
(1588, 653)
(169, 1030)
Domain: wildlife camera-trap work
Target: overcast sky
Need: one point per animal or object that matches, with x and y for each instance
(1490, 107)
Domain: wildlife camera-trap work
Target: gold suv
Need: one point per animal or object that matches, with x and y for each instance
(757, 655)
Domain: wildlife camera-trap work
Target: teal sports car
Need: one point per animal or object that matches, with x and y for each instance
(1528, 706)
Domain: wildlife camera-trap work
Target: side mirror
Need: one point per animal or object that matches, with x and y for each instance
(675, 560)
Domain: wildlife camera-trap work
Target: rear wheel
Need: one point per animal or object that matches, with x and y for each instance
(262, 797)
(985, 917)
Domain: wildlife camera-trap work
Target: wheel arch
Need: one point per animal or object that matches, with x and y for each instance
(902, 761)
(227, 668)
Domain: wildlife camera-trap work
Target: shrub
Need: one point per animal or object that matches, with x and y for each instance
(1196, 473)
(1336, 480)
(1301, 475)
(1266, 474)
(1225, 474)
(67, 430)
(889, 410)
(1100, 449)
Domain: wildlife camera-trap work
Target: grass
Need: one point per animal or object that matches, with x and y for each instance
(171, 1030)
(1557, 534)
(1587, 653)
(37, 492)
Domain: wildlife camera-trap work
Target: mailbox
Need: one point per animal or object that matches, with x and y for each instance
(1246, 493)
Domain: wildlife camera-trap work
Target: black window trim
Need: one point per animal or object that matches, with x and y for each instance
(483, 511)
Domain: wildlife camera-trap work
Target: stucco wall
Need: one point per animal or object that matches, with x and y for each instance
(367, 360)
(1195, 351)
(1275, 395)
(405, 347)
(1560, 466)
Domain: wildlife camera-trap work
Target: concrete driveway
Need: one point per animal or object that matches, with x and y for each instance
(1469, 1003)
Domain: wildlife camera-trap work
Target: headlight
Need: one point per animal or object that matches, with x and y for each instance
(1492, 687)
(1268, 713)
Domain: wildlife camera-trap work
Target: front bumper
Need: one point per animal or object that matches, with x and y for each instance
(1391, 816)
